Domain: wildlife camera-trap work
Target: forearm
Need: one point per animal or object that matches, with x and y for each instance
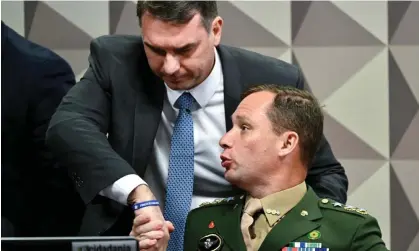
(140, 193)
(77, 137)
(86, 153)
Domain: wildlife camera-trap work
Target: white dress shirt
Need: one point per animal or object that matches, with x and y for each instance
(209, 126)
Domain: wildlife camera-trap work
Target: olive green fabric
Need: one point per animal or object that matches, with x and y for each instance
(336, 226)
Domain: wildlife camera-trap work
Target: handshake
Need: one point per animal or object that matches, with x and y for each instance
(150, 228)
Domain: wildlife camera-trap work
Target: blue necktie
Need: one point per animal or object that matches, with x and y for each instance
(181, 172)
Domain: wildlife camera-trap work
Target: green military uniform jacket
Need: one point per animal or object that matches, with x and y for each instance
(216, 226)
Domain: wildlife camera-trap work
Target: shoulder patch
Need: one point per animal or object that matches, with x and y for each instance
(224, 201)
(217, 202)
(334, 205)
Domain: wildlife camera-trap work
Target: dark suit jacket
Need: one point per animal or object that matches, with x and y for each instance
(121, 96)
(36, 195)
(337, 227)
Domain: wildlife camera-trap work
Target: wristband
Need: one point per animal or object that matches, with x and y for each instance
(143, 204)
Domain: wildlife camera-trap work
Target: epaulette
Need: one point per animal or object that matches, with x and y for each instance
(334, 205)
(216, 202)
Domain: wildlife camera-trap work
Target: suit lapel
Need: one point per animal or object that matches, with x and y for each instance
(226, 226)
(294, 225)
(232, 83)
(147, 114)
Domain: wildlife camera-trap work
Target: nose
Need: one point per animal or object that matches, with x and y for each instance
(226, 141)
(171, 64)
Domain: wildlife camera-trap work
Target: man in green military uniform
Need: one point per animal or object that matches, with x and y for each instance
(276, 131)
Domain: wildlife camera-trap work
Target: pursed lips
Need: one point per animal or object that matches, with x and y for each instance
(225, 161)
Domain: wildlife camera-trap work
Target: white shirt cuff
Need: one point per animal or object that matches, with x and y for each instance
(120, 189)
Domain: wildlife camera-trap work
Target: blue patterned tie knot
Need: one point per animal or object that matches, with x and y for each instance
(185, 101)
(181, 172)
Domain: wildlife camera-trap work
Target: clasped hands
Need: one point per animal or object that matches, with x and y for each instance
(149, 226)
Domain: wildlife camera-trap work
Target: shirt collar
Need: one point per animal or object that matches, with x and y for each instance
(276, 205)
(203, 92)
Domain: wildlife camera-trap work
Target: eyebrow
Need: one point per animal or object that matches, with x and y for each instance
(241, 119)
(150, 46)
(178, 49)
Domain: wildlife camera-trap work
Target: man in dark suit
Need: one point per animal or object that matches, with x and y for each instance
(38, 198)
(164, 99)
(284, 127)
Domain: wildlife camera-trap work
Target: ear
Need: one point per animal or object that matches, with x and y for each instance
(217, 28)
(288, 141)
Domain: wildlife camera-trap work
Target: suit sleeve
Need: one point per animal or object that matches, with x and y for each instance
(77, 131)
(368, 237)
(326, 175)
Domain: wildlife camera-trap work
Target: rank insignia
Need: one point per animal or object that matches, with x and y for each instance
(361, 211)
(350, 208)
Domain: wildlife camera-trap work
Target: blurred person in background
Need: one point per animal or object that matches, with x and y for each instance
(37, 197)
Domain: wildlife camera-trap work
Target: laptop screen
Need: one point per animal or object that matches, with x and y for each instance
(108, 243)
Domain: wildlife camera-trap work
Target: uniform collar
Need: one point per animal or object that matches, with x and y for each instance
(276, 205)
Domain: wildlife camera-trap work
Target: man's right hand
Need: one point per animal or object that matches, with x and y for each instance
(149, 226)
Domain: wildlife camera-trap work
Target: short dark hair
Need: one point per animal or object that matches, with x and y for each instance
(179, 12)
(295, 110)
